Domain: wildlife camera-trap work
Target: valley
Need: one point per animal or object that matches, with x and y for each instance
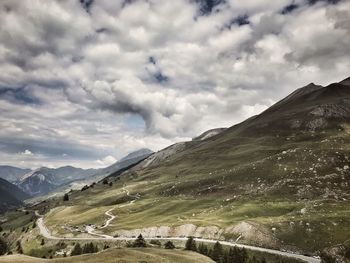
(277, 183)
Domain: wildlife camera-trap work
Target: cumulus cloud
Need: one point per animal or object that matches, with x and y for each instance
(82, 80)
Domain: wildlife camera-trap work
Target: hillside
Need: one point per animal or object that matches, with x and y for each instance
(267, 181)
(152, 255)
(10, 195)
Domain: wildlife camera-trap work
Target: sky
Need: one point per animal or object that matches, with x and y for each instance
(84, 82)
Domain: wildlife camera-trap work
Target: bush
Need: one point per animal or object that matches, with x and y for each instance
(105, 181)
(42, 242)
(169, 245)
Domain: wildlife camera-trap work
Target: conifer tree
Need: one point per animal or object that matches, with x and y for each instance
(217, 252)
(76, 250)
(140, 242)
(191, 244)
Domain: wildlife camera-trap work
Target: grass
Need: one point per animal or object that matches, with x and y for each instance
(124, 255)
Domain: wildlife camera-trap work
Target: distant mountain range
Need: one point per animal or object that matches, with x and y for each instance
(45, 180)
(12, 174)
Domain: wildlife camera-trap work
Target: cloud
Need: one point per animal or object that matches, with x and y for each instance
(27, 152)
(107, 161)
(82, 80)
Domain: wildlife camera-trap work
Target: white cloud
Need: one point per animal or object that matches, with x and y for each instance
(108, 160)
(27, 152)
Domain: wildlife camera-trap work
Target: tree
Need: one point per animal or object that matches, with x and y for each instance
(66, 197)
(110, 184)
(90, 248)
(19, 247)
(169, 245)
(76, 250)
(1, 229)
(105, 246)
(42, 242)
(217, 252)
(105, 181)
(191, 244)
(34, 224)
(203, 249)
(3, 247)
(263, 260)
(139, 242)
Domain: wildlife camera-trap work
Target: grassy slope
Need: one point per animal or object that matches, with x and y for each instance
(226, 185)
(121, 255)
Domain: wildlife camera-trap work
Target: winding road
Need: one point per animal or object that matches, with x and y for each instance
(44, 231)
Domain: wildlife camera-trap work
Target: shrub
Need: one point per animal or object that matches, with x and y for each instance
(169, 245)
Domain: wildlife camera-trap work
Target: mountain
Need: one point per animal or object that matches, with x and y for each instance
(10, 195)
(44, 180)
(279, 179)
(12, 174)
(311, 108)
